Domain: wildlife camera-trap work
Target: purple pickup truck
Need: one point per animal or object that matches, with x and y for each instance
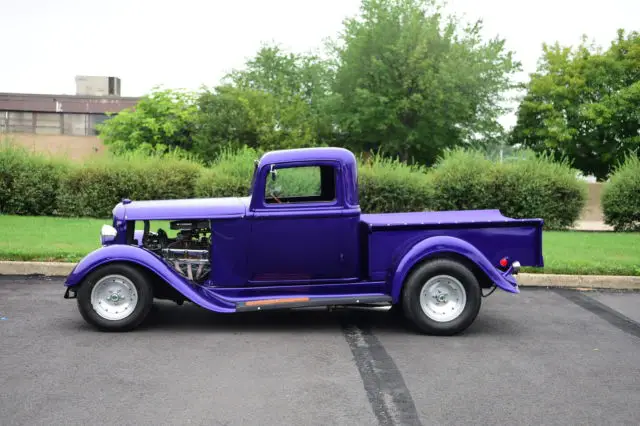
(299, 239)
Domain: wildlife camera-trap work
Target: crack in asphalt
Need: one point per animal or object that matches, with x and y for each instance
(386, 390)
(603, 311)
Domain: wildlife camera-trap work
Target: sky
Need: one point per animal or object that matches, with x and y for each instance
(190, 43)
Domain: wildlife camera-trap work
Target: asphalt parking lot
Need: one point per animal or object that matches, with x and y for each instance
(541, 357)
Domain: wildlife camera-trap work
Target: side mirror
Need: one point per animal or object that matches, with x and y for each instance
(273, 172)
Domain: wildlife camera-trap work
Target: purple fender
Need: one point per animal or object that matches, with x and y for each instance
(150, 261)
(443, 244)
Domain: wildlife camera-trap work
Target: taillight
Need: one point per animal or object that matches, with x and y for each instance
(506, 264)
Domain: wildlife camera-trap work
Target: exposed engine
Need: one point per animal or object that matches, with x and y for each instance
(188, 252)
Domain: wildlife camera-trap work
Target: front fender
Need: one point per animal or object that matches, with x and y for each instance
(444, 244)
(150, 261)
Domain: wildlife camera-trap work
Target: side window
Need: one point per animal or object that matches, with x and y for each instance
(303, 184)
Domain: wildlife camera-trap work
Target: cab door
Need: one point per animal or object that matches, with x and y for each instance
(301, 231)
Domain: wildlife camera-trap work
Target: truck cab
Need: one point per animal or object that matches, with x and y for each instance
(304, 217)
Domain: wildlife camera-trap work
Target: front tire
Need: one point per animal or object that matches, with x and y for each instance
(116, 297)
(441, 297)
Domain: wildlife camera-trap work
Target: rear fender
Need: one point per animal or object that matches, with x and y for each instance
(441, 245)
(151, 262)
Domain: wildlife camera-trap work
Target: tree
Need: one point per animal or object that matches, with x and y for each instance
(160, 120)
(278, 100)
(582, 104)
(230, 117)
(287, 76)
(411, 83)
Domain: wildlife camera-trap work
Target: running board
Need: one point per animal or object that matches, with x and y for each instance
(306, 302)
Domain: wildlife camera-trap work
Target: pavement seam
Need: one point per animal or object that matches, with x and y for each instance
(613, 317)
(386, 390)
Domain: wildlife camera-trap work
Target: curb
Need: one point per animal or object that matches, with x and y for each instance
(50, 269)
(582, 282)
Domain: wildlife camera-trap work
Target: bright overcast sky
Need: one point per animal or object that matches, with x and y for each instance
(188, 43)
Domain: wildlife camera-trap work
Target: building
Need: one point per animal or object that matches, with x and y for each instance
(87, 85)
(73, 115)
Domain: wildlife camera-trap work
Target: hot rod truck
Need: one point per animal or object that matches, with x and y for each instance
(299, 239)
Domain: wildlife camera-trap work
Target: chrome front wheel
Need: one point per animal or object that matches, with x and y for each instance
(114, 297)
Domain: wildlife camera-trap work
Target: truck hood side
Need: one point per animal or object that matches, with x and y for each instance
(196, 208)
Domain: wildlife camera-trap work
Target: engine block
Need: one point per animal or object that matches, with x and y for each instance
(189, 252)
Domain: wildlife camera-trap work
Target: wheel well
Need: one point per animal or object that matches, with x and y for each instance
(481, 276)
(161, 288)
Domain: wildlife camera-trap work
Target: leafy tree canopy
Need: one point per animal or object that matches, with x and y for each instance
(277, 101)
(583, 104)
(412, 82)
(162, 120)
(401, 79)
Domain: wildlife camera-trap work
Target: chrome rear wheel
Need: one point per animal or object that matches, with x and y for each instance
(443, 298)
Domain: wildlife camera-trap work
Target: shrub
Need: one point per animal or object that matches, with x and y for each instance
(385, 185)
(461, 180)
(538, 187)
(230, 174)
(526, 187)
(28, 182)
(95, 187)
(620, 198)
(388, 185)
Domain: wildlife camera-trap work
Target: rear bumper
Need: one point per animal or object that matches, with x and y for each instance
(509, 277)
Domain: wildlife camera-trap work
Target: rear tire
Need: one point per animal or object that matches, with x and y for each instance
(441, 297)
(116, 297)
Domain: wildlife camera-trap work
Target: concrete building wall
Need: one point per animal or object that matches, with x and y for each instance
(593, 210)
(77, 148)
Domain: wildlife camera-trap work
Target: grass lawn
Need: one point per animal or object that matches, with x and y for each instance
(68, 240)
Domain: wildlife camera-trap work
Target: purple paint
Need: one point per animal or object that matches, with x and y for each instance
(320, 248)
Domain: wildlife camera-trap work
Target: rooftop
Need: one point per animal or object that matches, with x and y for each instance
(305, 154)
(30, 102)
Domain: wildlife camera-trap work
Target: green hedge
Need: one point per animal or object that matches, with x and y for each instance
(621, 196)
(462, 180)
(536, 186)
(229, 176)
(529, 186)
(28, 182)
(93, 188)
(387, 185)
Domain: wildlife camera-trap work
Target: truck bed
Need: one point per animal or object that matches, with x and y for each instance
(441, 218)
(387, 236)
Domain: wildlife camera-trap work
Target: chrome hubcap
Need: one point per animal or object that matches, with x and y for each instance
(114, 297)
(443, 298)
